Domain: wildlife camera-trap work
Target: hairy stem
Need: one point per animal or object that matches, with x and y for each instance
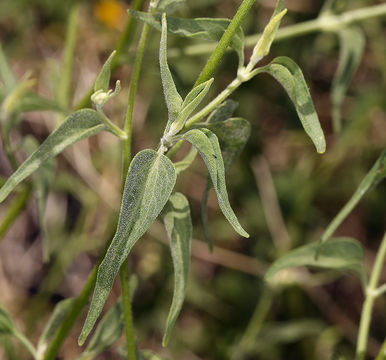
(368, 304)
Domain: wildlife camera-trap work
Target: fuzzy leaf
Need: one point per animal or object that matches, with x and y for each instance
(168, 6)
(223, 112)
(103, 79)
(338, 254)
(201, 28)
(207, 145)
(77, 126)
(352, 42)
(186, 161)
(172, 97)
(178, 226)
(290, 76)
(59, 314)
(150, 181)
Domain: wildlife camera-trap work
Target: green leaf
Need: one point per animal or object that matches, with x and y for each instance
(290, 76)
(207, 145)
(223, 112)
(172, 97)
(201, 28)
(178, 226)
(34, 102)
(186, 161)
(352, 43)
(59, 314)
(265, 41)
(103, 79)
(150, 181)
(107, 332)
(168, 6)
(7, 326)
(339, 254)
(6, 75)
(373, 177)
(78, 126)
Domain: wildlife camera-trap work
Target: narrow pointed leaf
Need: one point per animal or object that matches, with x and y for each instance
(59, 314)
(201, 28)
(290, 76)
(186, 161)
(207, 145)
(178, 226)
(150, 181)
(339, 254)
(352, 42)
(103, 79)
(33, 102)
(78, 126)
(172, 97)
(168, 6)
(373, 177)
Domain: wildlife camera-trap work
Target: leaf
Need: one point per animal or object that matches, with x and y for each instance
(103, 79)
(182, 165)
(6, 75)
(352, 42)
(172, 97)
(223, 112)
(7, 325)
(207, 145)
(33, 102)
(168, 6)
(178, 226)
(200, 28)
(107, 332)
(373, 177)
(204, 214)
(290, 76)
(77, 126)
(264, 43)
(59, 314)
(150, 181)
(339, 254)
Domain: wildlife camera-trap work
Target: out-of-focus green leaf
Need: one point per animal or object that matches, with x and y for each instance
(78, 126)
(6, 75)
(201, 28)
(150, 181)
(373, 177)
(103, 79)
(7, 325)
(207, 145)
(172, 97)
(186, 161)
(168, 6)
(178, 226)
(352, 43)
(59, 314)
(338, 254)
(33, 102)
(290, 76)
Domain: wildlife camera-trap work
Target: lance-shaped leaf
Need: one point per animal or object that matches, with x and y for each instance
(33, 102)
(78, 126)
(103, 79)
(201, 28)
(352, 42)
(168, 6)
(178, 226)
(59, 314)
(207, 145)
(172, 97)
(339, 254)
(373, 177)
(186, 161)
(150, 181)
(290, 76)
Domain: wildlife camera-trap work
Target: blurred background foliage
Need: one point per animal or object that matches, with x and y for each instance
(229, 312)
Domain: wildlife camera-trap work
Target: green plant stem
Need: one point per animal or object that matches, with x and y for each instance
(370, 296)
(382, 353)
(27, 344)
(323, 23)
(224, 42)
(68, 58)
(113, 128)
(14, 210)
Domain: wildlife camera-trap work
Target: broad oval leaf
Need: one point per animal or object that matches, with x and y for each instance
(150, 181)
(290, 76)
(59, 314)
(352, 43)
(103, 79)
(77, 126)
(201, 28)
(179, 228)
(339, 254)
(207, 145)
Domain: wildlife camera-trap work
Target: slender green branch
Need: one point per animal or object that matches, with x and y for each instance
(27, 344)
(14, 210)
(324, 23)
(382, 353)
(370, 296)
(224, 42)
